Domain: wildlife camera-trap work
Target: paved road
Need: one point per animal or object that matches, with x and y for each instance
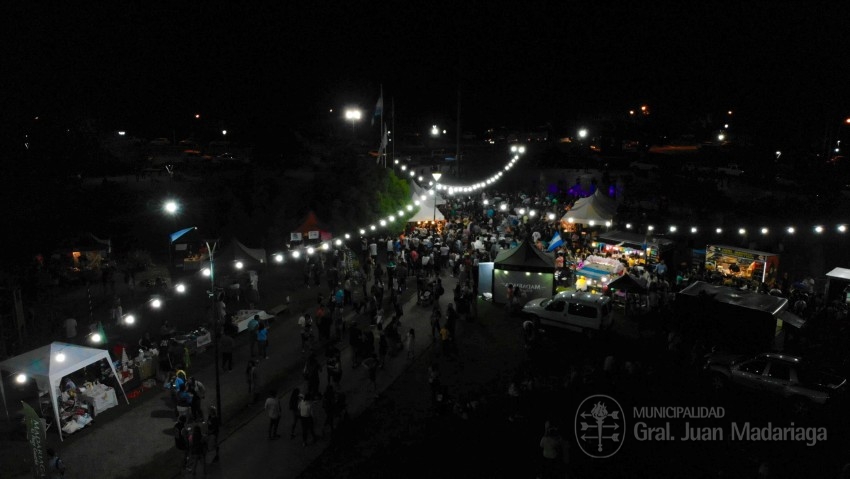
(136, 440)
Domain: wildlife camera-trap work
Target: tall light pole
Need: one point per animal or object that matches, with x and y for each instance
(353, 115)
(437, 175)
(216, 333)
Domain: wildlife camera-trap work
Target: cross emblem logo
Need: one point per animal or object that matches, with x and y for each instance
(600, 426)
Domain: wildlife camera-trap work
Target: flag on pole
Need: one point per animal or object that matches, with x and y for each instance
(383, 149)
(379, 106)
(556, 241)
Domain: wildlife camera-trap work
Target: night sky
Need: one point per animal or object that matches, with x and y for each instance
(257, 68)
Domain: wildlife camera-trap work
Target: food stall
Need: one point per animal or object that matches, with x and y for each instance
(242, 317)
(641, 249)
(736, 262)
(838, 285)
(595, 272)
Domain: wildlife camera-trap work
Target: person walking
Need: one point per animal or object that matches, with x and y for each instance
(181, 440)
(371, 364)
(226, 344)
(55, 465)
(273, 409)
(197, 450)
(409, 341)
(198, 392)
(333, 365)
(293, 409)
(213, 427)
(552, 447)
(252, 375)
(305, 411)
(263, 341)
(436, 315)
(253, 327)
(329, 405)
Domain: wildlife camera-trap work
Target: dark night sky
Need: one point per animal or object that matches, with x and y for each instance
(148, 67)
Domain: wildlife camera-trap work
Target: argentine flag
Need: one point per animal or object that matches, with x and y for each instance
(555, 242)
(379, 106)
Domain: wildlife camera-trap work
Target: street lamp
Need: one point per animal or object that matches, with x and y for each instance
(434, 130)
(437, 175)
(582, 133)
(353, 115)
(216, 332)
(223, 132)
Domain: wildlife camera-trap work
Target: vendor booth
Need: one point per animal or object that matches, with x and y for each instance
(188, 249)
(526, 267)
(634, 248)
(838, 286)
(734, 262)
(595, 272)
(48, 365)
(735, 320)
(313, 230)
(594, 210)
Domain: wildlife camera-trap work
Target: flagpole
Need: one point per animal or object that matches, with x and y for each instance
(392, 106)
(383, 127)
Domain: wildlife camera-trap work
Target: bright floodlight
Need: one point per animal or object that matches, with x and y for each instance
(362, 231)
(434, 130)
(718, 230)
(412, 173)
(170, 207)
(391, 218)
(742, 231)
(672, 229)
(181, 288)
(419, 178)
(353, 114)
(338, 242)
(532, 213)
(403, 167)
(122, 133)
(592, 223)
(513, 149)
(96, 338)
(503, 207)
(206, 272)
(650, 227)
(21, 378)
(721, 137)
(764, 231)
(156, 303)
(582, 133)
(296, 254)
(551, 216)
(693, 229)
(372, 227)
(628, 226)
(818, 229)
(129, 319)
(842, 228)
(60, 357)
(310, 250)
(347, 236)
(521, 149)
(279, 258)
(486, 202)
(521, 211)
(239, 265)
(325, 246)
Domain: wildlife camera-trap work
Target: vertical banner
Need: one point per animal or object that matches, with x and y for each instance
(37, 440)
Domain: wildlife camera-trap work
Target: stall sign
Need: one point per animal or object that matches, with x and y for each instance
(294, 236)
(312, 235)
(37, 438)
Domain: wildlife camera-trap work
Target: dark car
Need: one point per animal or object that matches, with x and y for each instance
(801, 384)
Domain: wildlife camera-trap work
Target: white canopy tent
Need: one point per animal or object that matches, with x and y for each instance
(44, 365)
(419, 192)
(593, 210)
(427, 210)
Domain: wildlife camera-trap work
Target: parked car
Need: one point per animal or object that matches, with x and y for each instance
(788, 377)
(575, 310)
(731, 170)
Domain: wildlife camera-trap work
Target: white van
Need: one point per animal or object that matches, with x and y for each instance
(574, 310)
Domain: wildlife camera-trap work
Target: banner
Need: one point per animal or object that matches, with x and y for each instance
(312, 235)
(37, 440)
(294, 236)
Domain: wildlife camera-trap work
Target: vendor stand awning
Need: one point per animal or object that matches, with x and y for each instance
(46, 368)
(629, 284)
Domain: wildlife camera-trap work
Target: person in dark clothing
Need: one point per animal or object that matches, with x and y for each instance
(293, 408)
(383, 348)
(225, 345)
(213, 426)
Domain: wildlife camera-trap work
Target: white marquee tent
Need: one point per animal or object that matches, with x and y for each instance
(596, 209)
(44, 365)
(419, 192)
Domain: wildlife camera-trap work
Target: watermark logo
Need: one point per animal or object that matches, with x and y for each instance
(600, 426)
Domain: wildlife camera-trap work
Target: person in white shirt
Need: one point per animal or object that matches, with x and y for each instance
(373, 249)
(272, 407)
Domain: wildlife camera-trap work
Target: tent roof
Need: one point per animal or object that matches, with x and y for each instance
(236, 251)
(839, 273)
(596, 208)
(418, 191)
(633, 240)
(187, 235)
(525, 257)
(41, 363)
(629, 284)
(311, 223)
(745, 299)
(427, 213)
